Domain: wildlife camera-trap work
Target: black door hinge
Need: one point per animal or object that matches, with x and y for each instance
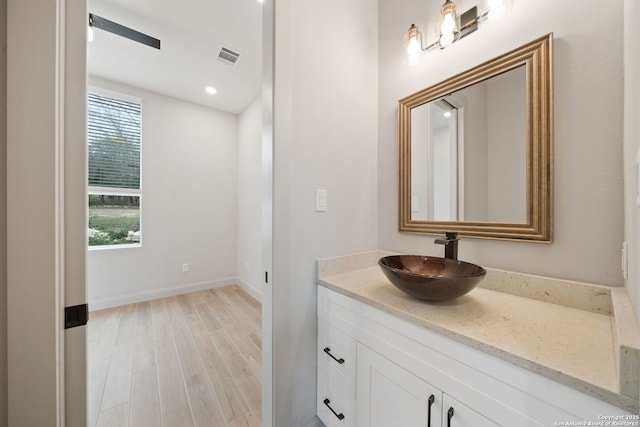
(76, 315)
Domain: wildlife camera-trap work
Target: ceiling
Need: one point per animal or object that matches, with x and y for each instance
(192, 32)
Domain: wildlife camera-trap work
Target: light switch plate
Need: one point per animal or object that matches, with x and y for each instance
(321, 200)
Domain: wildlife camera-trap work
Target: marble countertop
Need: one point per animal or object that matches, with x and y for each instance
(581, 335)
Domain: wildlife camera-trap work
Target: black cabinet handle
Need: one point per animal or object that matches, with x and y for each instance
(328, 351)
(449, 416)
(431, 399)
(340, 416)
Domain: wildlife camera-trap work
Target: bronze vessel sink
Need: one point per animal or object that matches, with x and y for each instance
(431, 278)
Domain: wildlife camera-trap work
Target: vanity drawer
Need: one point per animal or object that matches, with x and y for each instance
(336, 351)
(335, 404)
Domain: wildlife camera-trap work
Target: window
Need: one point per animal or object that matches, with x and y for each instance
(114, 138)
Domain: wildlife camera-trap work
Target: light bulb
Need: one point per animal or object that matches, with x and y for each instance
(413, 45)
(414, 51)
(211, 90)
(448, 24)
(446, 39)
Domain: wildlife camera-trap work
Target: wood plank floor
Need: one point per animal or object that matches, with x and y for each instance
(189, 360)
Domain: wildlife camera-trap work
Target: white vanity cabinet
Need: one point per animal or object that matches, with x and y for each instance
(376, 369)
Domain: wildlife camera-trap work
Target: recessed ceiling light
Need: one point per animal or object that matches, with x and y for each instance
(260, 1)
(211, 90)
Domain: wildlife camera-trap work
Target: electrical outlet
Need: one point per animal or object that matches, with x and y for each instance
(185, 267)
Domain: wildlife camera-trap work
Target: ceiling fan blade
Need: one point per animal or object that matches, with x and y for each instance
(96, 21)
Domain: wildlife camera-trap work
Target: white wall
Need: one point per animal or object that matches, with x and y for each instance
(632, 145)
(588, 181)
(189, 207)
(249, 259)
(325, 136)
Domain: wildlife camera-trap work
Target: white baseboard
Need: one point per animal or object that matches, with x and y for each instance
(256, 293)
(99, 304)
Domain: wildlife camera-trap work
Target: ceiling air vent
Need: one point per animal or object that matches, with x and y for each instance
(228, 56)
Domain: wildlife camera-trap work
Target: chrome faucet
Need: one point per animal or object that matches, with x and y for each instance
(450, 243)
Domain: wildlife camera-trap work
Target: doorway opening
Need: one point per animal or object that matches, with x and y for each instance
(175, 329)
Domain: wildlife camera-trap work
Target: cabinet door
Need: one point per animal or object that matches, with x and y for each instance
(388, 395)
(456, 414)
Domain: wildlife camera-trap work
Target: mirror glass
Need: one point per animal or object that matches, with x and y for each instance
(476, 150)
(468, 153)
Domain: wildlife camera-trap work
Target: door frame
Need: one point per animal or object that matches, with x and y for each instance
(46, 223)
(268, 401)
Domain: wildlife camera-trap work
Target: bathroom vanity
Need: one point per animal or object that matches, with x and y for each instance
(516, 351)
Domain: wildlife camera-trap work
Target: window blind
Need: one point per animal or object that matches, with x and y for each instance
(114, 134)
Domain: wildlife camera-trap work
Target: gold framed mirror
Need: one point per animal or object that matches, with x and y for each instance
(476, 150)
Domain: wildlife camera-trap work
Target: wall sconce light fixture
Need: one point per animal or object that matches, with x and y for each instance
(452, 27)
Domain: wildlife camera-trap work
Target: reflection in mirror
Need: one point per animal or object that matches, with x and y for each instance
(468, 153)
(434, 161)
(476, 150)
